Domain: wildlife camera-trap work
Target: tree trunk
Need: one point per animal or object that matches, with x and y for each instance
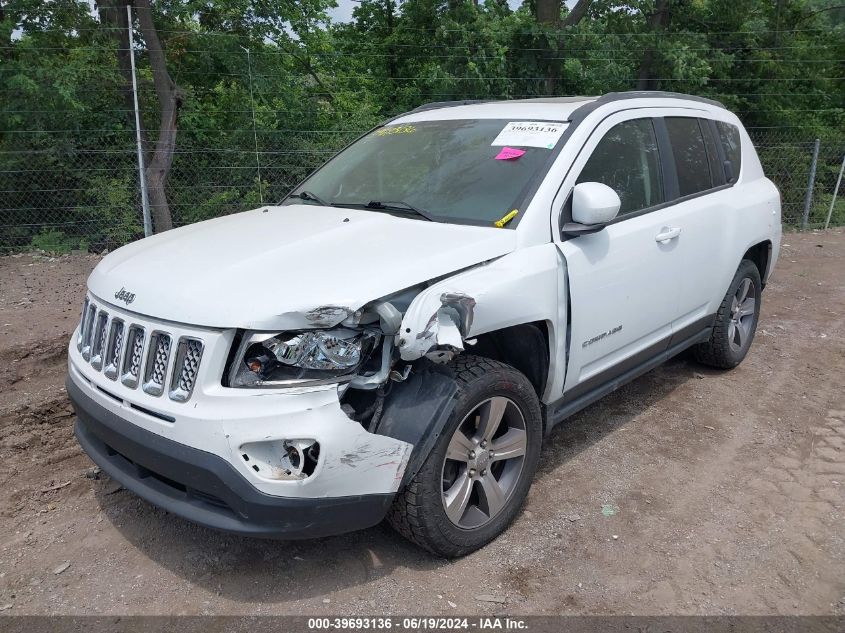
(169, 100)
(658, 21)
(158, 160)
(548, 13)
(577, 13)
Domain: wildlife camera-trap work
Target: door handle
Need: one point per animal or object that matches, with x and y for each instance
(667, 234)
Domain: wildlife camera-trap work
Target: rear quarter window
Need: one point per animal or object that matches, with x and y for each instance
(714, 156)
(690, 155)
(729, 138)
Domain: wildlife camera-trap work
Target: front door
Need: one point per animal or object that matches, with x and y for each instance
(624, 281)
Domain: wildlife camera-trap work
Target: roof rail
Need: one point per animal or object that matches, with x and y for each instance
(654, 94)
(588, 106)
(446, 104)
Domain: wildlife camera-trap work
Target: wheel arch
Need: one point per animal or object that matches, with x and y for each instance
(761, 254)
(524, 346)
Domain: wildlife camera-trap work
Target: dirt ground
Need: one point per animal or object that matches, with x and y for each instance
(690, 491)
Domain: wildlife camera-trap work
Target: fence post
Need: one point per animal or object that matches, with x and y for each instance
(808, 199)
(835, 192)
(254, 132)
(142, 176)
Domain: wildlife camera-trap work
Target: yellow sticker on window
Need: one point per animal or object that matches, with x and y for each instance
(510, 216)
(396, 129)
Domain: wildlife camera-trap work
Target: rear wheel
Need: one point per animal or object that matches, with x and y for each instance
(736, 320)
(477, 476)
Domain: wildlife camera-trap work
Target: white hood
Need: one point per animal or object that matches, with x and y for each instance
(287, 267)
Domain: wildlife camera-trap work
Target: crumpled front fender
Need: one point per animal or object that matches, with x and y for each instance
(522, 287)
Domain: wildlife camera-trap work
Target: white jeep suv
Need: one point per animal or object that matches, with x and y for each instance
(397, 337)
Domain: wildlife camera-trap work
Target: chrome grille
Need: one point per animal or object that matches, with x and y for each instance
(88, 331)
(80, 335)
(188, 356)
(157, 358)
(99, 340)
(134, 355)
(114, 349)
(137, 353)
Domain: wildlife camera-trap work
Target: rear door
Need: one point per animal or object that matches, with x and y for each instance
(624, 281)
(701, 213)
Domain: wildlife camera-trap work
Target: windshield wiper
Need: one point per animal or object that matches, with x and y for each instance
(307, 195)
(399, 206)
(372, 204)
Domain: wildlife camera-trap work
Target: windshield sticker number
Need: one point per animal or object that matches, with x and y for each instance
(530, 134)
(396, 129)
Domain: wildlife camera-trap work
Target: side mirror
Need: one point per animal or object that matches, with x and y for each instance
(593, 206)
(594, 203)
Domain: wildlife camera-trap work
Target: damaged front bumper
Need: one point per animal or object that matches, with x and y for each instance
(221, 461)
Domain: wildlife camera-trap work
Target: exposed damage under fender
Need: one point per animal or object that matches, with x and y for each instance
(417, 410)
(442, 320)
(511, 290)
(444, 334)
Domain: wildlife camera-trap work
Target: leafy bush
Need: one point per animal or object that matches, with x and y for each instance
(56, 242)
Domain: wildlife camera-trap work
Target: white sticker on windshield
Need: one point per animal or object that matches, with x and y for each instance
(530, 134)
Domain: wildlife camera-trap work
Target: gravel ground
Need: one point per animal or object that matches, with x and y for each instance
(689, 491)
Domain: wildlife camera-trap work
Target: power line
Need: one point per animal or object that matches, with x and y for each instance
(447, 78)
(269, 50)
(562, 31)
(266, 110)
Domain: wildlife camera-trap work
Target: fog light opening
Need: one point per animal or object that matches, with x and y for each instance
(300, 458)
(282, 459)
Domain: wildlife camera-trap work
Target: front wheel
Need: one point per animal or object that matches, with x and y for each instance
(477, 476)
(736, 320)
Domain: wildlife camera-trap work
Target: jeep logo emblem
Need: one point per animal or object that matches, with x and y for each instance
(123, 295)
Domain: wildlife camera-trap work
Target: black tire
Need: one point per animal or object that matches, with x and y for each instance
(418, 512)
(722, 350)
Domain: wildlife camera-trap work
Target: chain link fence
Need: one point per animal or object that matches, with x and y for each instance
(73, 195)
(70, 182)
(787, 157)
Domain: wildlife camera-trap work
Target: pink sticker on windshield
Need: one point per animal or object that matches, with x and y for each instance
(509, 153)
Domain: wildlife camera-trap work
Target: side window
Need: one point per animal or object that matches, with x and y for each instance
(690, 154)
(627, 161)
(717, 171)
(729, 137)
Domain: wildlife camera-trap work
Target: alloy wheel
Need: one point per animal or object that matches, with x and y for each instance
(483, 462)
(743, 306)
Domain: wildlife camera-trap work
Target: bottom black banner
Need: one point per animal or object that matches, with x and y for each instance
(422, 623)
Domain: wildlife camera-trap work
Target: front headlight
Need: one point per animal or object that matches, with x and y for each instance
(274, 359)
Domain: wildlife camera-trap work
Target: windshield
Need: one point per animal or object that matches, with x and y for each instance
(465, 170)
